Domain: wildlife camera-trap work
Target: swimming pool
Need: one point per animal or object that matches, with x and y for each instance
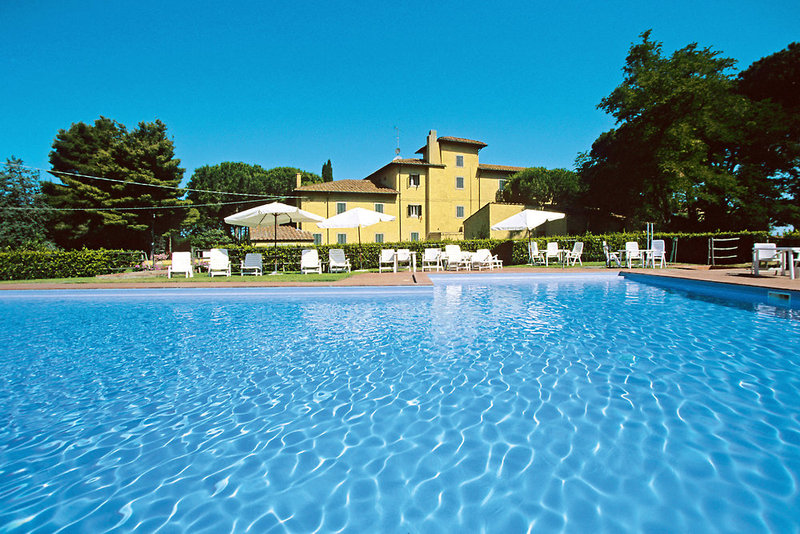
(550, 403)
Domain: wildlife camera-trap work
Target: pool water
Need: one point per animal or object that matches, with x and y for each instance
(541, 404)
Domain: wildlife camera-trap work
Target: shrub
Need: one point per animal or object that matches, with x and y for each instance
(32, 264)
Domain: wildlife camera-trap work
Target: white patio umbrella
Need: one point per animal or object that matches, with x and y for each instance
(274, 213)
(356, 218)
(528, 220)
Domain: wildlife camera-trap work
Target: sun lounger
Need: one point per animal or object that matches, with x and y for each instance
(252, 264)
(219, 264)
(386, 262)
(181, 263)
(432, 259)
(456, 259)
(337, 261)
(309, 261)
(575, 253)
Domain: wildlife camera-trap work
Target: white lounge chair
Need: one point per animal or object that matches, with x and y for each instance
(386, 262)
(181, 263)
(219, 264)
(575, 253)
(455, 258)
(658, 253)
(403, 258)
(552, 252)
(611, 256)
(767, 254)
(432, 259)
(482, 259)
(309, 261)
(534, 254)
(632, 252)
(337, 261)
(252, 264)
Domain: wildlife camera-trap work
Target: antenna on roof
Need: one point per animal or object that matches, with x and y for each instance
(397, 150)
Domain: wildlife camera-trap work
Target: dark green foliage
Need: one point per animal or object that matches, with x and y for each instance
(107, 149)
(38, 264)
(545, 188)
(689, 150)
(22, 220)
(327, 172)
(273, 184)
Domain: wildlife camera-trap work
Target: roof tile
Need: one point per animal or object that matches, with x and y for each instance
(346, 186)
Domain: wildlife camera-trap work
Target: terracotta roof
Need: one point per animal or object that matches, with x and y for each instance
(414, 161)
(501, 168)
(285, 233)
(462, 140)
(346, 186)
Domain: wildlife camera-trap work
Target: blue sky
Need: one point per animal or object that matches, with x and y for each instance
(296, 83)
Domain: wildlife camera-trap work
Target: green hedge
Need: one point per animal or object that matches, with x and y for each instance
(33, 264)
(692, 248)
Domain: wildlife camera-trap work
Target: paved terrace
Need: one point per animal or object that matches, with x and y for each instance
(405, 278)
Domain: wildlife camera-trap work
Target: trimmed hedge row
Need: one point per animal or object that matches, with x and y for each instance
(692, 248)
(33, 264)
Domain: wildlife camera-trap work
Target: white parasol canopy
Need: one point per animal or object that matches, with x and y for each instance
(528, 220)
(273, 214)
(355, 218)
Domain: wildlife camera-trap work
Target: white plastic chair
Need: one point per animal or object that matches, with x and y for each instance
(632, 252)
(219, 264)
(386, 261)
(403, 258)
(575, 253)
(337, 261)
(309, 261)
(658, 252)
(252, 264)
(611, 256)
(552, 252)
(766, 253)
(181, 263)
(432, 259)
(534, 254)
(482, 259)
(455, 258)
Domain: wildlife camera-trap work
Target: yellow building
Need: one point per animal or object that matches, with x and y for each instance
(431, 197)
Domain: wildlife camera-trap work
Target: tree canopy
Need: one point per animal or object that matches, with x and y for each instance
(679, 155)
(545, 188)
(327, 171)
(230, 177)
(22, 220)
(109, 172)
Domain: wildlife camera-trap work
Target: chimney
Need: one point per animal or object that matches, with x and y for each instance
(299, 179)
(434, 156)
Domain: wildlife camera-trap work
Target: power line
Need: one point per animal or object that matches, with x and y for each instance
(184, 206)
(149, 185)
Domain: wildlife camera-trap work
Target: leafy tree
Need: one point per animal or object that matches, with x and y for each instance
(230, 177)
(22, 221)
(104, 166)
(771, 146)
(672, 158)
(546, 188)
(327, 172)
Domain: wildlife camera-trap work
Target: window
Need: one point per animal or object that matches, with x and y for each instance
(341, 239)
(415, 210)
(459, 182)
(341, 207)
(459, 161)
(414, 236)
(317, 239)
(379, 207)
(413, 180)
(379, 238)
(459, 212)
(501, 184)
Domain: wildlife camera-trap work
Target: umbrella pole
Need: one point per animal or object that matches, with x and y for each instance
(360, 258)
(275, 250)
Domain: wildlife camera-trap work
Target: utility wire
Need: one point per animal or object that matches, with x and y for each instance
(149, 185)
(184, 206)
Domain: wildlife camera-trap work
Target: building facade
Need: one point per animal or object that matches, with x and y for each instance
(431, 197)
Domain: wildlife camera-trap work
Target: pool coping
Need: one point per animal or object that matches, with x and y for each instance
(736, 277)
